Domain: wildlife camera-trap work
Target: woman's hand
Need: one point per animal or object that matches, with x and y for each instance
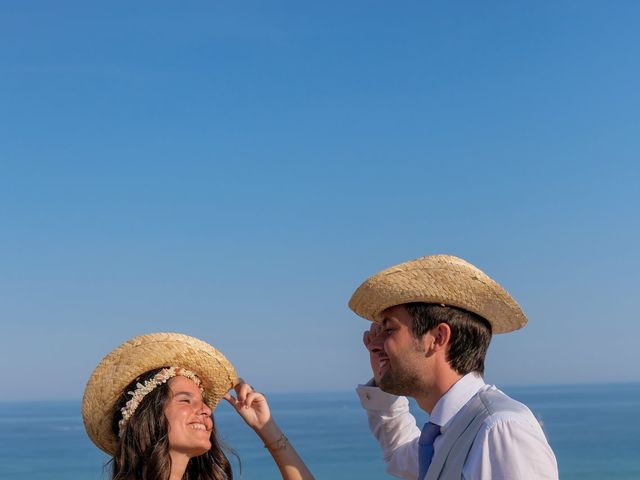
(251, 405)
(254, 409)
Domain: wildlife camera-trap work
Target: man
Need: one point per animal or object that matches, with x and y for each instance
(433, 320)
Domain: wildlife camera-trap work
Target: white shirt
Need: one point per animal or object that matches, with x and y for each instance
(508, 445)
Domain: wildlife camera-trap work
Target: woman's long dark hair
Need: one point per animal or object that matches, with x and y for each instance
(142, 453)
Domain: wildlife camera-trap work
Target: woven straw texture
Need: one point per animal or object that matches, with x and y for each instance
(142, 354)
(443, 279)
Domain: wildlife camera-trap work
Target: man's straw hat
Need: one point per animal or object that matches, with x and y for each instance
(439, 279)
(140, 355)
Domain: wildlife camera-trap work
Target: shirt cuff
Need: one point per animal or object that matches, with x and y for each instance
(372, 398)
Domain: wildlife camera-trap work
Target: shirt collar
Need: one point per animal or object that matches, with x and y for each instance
(455, 398)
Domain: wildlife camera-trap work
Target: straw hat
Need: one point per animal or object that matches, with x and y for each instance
(142, 354)
(440, 279)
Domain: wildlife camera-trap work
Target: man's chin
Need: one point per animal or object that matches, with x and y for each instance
(388, 385)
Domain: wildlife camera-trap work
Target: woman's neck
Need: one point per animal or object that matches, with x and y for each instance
(178, 465)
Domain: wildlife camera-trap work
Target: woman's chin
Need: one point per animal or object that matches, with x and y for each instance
(192, 451)
(201, 451)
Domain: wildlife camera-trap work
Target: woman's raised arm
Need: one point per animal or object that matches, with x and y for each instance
(254, 409)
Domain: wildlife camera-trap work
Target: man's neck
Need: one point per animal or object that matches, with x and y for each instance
(442, 385)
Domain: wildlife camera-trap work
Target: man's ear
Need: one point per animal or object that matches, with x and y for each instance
(441, 335)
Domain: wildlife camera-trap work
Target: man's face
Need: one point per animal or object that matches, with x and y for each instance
(402, 364)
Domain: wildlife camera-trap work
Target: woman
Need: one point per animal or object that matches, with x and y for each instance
(148, 405)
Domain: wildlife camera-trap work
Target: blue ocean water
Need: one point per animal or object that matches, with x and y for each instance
(594, 431)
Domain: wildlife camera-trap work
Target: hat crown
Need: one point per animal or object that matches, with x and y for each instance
(442, 279)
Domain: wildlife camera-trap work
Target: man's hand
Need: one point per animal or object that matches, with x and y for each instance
(373, 340)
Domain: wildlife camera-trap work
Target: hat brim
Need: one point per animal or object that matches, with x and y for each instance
(439, 279)
(140, 355)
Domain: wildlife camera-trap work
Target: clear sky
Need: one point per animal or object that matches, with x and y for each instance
(234, 170)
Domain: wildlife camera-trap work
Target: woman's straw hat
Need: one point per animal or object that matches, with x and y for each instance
(439, 279)
(140, 355)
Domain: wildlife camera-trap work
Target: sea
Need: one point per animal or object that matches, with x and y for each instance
(593, 429)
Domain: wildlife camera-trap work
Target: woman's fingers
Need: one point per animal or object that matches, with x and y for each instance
(251, 405)
(245, 396)
(252, 397)
(231, 399)
(243, 389)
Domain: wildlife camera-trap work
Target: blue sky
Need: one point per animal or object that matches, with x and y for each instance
(234, 171)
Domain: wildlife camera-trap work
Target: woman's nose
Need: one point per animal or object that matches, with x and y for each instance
(205, 410)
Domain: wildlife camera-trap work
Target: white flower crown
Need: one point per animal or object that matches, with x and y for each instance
(142, 390)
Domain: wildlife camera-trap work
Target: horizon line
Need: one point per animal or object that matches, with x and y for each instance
(343, 391)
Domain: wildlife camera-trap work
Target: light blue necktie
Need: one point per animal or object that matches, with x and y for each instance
(425, 451)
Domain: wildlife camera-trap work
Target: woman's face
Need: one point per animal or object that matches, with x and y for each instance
(189, 418)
